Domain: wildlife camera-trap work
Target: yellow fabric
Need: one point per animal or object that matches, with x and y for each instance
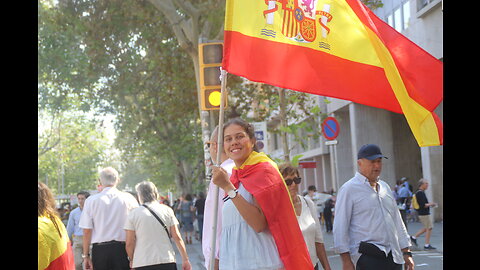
(50, 245)
(255, 158)
(347, 37)
(242, 14)
(419, 119)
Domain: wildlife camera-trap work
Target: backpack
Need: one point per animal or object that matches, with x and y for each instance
(415, 202)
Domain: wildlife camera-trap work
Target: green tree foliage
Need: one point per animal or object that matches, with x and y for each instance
(125, 60)
(134, 59)
(79, 146)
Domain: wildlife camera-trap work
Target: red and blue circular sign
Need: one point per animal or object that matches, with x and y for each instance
(330, 128)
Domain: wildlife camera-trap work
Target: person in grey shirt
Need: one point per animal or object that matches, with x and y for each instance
(368, 231)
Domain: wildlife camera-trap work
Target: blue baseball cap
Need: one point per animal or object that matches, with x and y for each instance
(370, 152)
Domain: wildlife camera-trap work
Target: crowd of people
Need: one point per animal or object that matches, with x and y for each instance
(262, 222)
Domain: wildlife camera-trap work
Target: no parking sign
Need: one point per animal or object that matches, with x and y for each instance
(330, 128)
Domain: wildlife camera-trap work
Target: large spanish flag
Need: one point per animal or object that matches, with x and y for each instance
(335, 48)
(54, 250)
(260, 176)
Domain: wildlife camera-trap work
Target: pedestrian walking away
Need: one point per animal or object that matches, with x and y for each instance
(103, 218)
(368, 231)
(328, 214)
(149, 229)
(404, 196)
(186, 217)
(199, 207)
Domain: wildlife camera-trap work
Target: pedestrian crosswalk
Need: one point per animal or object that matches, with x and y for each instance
(415, 253)
(428, 254)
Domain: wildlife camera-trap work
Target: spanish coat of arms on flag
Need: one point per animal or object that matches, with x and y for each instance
(335, 48)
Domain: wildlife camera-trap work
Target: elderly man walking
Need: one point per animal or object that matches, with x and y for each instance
(103, 217)
(368, 231)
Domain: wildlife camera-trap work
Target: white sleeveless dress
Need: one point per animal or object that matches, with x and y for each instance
(240, 246)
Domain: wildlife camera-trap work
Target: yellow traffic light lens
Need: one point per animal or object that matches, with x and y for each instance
(214, 98)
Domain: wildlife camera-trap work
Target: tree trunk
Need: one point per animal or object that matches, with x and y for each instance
(187, 32)
(283, 123)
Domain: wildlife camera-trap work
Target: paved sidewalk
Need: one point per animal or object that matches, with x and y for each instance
(195, 255)
(424, 260)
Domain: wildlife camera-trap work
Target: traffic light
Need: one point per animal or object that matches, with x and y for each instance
(210, 58)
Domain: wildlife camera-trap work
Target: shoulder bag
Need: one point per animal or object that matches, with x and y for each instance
(159, 220)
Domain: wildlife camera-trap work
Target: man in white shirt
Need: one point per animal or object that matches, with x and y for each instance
(368, 231)
(228, 165)
(102, 221)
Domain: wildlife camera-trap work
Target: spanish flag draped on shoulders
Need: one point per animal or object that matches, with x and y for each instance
(260, 177)
(54, 249)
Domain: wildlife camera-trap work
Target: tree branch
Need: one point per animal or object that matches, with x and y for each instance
(180, 26)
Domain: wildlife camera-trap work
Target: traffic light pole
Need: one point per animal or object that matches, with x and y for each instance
(223, 79)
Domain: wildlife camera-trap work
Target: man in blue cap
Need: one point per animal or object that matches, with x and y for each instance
(368, 231)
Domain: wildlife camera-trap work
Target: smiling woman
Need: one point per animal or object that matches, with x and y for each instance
(257, 216)
(239, 140)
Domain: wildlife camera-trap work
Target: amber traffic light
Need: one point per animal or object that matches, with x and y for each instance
(210, 58)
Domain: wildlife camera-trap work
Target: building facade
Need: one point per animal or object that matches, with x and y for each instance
(329, 166)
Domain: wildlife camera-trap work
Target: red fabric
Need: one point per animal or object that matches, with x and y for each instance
(317, 72)
(421, 73)
(64, 262)
(266, 185)
(306, 70)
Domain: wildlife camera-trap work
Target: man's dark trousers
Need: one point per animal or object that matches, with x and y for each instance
(369, 262)
(110, 256)
(373, 258)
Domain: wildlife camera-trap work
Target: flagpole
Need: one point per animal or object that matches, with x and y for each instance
(223, 79)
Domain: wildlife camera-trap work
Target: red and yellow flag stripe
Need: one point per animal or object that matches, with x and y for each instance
(54, 252)
(335, 48)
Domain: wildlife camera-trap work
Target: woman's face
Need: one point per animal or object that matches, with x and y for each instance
(293, 188)
(237, 144)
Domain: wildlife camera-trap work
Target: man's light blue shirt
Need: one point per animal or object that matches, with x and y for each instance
(73, 221)
(404, 191)
(362, 214)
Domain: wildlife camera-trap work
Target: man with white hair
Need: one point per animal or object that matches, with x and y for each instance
(102, 221)
(368, 231)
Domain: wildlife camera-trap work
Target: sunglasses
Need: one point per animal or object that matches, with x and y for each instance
(297, 181)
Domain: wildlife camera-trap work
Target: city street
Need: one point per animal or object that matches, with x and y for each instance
(424, 260)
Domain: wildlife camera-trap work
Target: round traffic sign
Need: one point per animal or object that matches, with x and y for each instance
(330, 128)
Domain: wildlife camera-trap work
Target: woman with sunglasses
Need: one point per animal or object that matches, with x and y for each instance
(259, 226)
(306, 211)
